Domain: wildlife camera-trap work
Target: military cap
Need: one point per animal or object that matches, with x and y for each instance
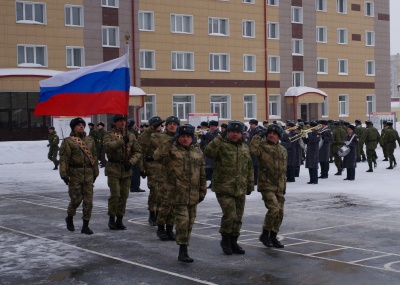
(91, 124)
(336, 123)
(299, 120)
(224, 126)
(368, 122)
(101, 124)
(306, 123)
(313, 124)
(357, 121)
(51, 128)
(290, 124)
(253, 121)
(118, 117)
(323, 122)
(265, 122)
(155, 120)
(131, 122)
(76, 121)
(389, 123)
(214, 123)
(384, 122)
(186, 130)
(274, 128)
(235, 126)
(204, 124)
(351, 127)
(172, 119)
(330, 121)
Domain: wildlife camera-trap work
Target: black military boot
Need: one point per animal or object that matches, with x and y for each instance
(390, 165)
(161, 233)
(394, 162)
(56, 165)
(369, 168)
(339, 172)
(85, 228)
(275, 242)
(385, 159)
(265, 238)
(364, 159)
(152, 219)
(119, 223)
(226, 244)
(375, 164)
(70, 223)
(235, 247)
(170, 232)
(111, 223)
(183, 254)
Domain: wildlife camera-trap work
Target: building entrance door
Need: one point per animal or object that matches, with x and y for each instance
(304, 112)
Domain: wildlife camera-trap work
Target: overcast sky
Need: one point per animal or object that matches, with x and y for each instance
(394, 26)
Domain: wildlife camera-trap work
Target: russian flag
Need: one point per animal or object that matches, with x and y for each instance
(91, 90)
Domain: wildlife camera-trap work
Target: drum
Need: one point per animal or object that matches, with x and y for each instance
(343, 151)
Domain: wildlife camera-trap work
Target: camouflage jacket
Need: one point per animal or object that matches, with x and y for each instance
(185, 173)
(390, 136)
(147, 150)
(74, 162)
(100, 137)
(233, 173)
(156, 140)
(54, 140)
(339, 137)
(272, 161)
(371, 137)
(118, 154)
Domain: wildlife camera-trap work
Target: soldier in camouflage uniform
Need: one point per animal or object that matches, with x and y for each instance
(385, 155)
(150, 168)
(186, 182)
(123, 152)
(339, 137)
(233, 178)
(79, 169)
(370, 138)
(389, 138)
(53, 147)
(272, 159)
(360, 147)
(101, 155)
(135, 180)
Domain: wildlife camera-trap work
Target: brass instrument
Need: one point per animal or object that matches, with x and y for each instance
(303, 133)
(288, 130)
(200, 132)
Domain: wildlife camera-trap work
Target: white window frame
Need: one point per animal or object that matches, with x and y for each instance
(370, 67)
(70, 56)
(297, 78)
(274, 106)
(149, 107)
(343, 66)
(320, 5)
(297, 47)
(322, 65)
(341, 6)
(144, 60)
(250, 106)
(217, 105)
(325, 108)
(217, 60)
(185, 105)
(274, 64)
(322, 34)
(343, 105)
(30, 7)
(33, 50)
(182, 61)
(369, 9)
(107, 35)
(370, 104)
(273, 30)
(177, 19)
(273, 2)
(69, 11)
(342, 32)
(144, 16)
(248, 26)
(249, 67)
(297, 15)
(216, 25)
(369, 38)
(110, 3)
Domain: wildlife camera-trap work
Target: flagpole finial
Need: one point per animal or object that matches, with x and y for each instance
(127, 37)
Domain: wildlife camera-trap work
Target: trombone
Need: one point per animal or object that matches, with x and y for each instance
(303, 133)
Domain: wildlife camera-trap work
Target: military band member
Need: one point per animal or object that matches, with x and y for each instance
(291, 148)
(370, 138)
(54, 140)
(389, 138)
(312, 154)
(350, 160)
(79, 169)
(326, 138)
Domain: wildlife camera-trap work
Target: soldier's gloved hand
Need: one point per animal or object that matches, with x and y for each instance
(201, 199)
(248, 192)
(66, 179)
(126, 139)
(48, 145)
(128, 166)
(143, 174)
(156, 125)
(223, 134)
(347, 143)
(175, 136)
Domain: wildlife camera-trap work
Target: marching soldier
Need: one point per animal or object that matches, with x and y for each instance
(360, 147)
(135, 180)
(205, 138)
(326, 138)
(370, 138)
(123, 152)
(79, 169)
(389, 138)
(385, 155)
(254, 128)
(53, 147)
(101, 155)
(339, 136)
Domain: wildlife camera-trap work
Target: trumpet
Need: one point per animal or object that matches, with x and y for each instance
(304, 133)
(291, 129)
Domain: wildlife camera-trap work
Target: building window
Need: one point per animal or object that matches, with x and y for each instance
(75, 57)
(147, 59)
(219, 62)
(182, 24)
(32, 56)
(371, 105)
(273, 2)
(370, 38)
(149, 108)
(248, 29)
(321, 34)
(273, 30)
(110, 36)
(249, 63)
(274, 64)
(182, 105)
(343, 105)
(221, 105)
(218, 27)
(182, 60)
(343, 66)
(297, 15)
(109, 3)
(341, 6)
(297, 47)
(342, 36)
(250, 103)
(146, 21)
(248, 1)
(297, 78)
(322, 65)
(320, 5)
(74, 16)
(370, 68)
(369, 9)
(325, 108)
(274, 106)
(31, 12)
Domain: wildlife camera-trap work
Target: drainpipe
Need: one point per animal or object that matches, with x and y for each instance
(266, 60)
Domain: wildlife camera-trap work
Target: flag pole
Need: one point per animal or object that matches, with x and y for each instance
(127, 37)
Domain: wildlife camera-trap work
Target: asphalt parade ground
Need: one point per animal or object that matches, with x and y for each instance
(330, 237)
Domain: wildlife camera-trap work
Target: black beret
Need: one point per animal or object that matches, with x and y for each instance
(76, 121)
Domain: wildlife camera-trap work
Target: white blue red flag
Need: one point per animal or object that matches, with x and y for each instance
(91, 90)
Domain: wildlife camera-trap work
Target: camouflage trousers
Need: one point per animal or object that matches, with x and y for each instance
(153, 200)
(338, 161)
(274, 202)
(165, 214)
(119, 192)
(390, 151)
(232, 213)
(79, 192)
(52, 155)
(184, 220)
(371, 156)
(384, 150)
